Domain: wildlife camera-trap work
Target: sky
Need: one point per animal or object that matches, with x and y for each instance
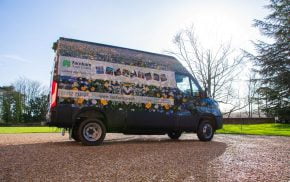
(29, 28)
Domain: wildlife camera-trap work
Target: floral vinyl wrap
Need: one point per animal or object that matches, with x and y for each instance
(111, 54)
(114, 87)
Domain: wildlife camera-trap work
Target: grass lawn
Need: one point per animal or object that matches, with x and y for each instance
(42, 129)
(257, 129)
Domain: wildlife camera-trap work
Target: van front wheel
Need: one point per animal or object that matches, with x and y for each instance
(205, 131)
(92, 132)
(174, 134)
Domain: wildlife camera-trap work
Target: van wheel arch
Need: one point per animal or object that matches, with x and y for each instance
(205, 131)
(88, 113)
(211, 119)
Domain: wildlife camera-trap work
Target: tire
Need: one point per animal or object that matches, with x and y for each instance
(174, 135)
(205, 131)
(74, 134)
(91, 132)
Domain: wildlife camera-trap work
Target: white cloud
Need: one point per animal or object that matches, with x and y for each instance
(11, 57)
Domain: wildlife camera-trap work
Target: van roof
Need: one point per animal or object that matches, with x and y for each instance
(97, 51)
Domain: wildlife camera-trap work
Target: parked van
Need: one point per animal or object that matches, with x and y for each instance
(98, 89)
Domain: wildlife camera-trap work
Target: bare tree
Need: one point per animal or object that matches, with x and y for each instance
(216, 69)
(30, 90)
(252, 87)
(255, 100)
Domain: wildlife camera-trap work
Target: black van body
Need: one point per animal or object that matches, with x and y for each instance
(89, 120)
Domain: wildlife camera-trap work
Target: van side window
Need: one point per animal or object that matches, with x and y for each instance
(194, 87)
(183, 83)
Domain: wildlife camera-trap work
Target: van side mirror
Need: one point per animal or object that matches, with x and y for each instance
(203, 94)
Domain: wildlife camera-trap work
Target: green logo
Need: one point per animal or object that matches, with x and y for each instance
(66, 63)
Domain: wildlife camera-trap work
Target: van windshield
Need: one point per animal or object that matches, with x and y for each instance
(195, 88)
(183, 83)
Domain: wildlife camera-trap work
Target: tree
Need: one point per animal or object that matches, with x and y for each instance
(216, 69)
(18, 105)
(251, 94)
(34, 101)
(11, 104)
(6, 104)
(25, 101)
(39, 107)
(254, 99)
(272, 58)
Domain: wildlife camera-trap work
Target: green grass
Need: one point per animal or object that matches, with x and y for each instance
(257, 129)
(250, 129)
(42, 129)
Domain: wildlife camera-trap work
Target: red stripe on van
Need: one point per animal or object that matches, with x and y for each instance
(53, 94)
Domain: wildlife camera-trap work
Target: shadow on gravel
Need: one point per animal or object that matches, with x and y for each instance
(149, 141)
(136, 141)
(126, 159)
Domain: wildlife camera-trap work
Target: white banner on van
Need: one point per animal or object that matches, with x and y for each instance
(92, 69)
(113, 97)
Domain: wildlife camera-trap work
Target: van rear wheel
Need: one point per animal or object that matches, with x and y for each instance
(92, 132)
(205, 131)
(174, 135)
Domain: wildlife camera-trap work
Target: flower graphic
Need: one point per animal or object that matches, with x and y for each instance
(84, 88)
(104, 102)
(148, 105)
(146, 89)
(94, 102)
(164, 96)
(106, 85)
(75, 84)
(80, 100)
(167, 106)
(93, 89)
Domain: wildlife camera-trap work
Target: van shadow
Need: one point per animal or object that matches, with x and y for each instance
(137, 157)
(139, 141)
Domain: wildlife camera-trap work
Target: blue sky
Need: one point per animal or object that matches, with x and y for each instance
(29, 28)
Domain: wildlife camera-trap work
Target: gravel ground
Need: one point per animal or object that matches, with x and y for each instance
(51, 157)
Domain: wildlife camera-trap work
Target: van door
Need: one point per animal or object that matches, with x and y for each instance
(139, 121)
(187, 117)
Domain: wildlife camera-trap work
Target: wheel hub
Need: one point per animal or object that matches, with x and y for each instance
(92, 132)
(207, 131)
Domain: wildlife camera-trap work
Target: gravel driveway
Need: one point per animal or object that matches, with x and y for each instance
(51, 157)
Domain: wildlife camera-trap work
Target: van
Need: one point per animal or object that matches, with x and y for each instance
(98, 89)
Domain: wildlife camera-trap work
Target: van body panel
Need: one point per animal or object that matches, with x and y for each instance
(150, 121)
(116, 120)
(187, 121)
(134, 92)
